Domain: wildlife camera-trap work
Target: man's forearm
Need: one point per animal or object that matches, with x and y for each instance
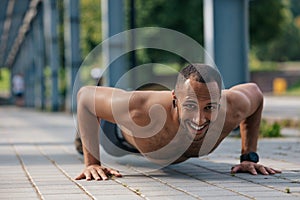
(250, 131)
(90, 159)
(88, 124)
(90, 139)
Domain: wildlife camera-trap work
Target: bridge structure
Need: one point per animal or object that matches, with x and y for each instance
(29, 44)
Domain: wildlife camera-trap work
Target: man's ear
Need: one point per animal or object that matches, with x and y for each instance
(174, 98)
(173, 94)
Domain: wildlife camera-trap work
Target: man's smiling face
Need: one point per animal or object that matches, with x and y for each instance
(197, 106)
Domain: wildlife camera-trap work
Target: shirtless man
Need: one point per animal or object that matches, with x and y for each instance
(181, 119)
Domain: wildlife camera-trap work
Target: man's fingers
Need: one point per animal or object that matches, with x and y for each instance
(272, 171)
(252, 170)
(115, 173)
(276, 171)
(95, 174)
(112, 172)
(262, 170)
(87, 175)
(235, 169)
(81, 176)
(102, 174)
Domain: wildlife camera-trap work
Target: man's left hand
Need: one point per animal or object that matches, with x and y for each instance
(253, 168)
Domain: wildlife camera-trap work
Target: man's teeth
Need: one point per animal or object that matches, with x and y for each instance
(197, 128)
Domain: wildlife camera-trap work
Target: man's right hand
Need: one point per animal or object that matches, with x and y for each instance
(97, 172)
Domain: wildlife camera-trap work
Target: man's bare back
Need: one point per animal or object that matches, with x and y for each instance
(172, 125)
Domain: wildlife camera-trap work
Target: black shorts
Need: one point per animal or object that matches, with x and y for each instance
(113, 141)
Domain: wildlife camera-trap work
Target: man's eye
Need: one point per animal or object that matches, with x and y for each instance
(190, 106)
(210, 108)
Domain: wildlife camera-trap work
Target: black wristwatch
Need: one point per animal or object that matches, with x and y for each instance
(251, 156)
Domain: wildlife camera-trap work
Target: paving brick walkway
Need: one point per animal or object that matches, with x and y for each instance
(38, 161)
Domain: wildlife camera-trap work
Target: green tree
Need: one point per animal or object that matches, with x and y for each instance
(295, 7)
(183, 16)
(285, 48)
(275, 38)
(267, 20)
(90, 25)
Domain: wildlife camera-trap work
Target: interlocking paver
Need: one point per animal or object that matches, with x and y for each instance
(177, 197)
(15, 195)
(38, 160)
(66, 196)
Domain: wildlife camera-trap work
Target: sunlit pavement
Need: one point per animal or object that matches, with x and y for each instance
(39, 161)
(282, 107)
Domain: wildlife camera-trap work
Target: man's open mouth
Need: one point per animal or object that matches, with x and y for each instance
(197, 129)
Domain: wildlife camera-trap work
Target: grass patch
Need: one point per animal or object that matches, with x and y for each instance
(4, 80)
(294, 90)
(264, 66)
(269, 129)
(257, 65)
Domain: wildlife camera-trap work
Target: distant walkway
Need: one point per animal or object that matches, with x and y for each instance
(282, 107)
(38, 161)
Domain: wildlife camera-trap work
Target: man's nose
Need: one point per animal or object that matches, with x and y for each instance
(200, 118)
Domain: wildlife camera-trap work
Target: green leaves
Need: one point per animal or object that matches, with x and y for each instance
(268, 129)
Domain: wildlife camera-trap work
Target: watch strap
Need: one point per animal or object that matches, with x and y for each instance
(251, 156)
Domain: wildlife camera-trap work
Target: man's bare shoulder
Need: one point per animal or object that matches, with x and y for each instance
(139, 95)
(151, 97)
(243, 97)
(135, 98)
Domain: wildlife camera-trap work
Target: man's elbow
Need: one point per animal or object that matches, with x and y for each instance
(84, 95)
(257, 94)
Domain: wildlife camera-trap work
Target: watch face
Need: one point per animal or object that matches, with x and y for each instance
(253, 157)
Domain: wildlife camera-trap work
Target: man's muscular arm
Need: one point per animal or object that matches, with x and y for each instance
(249, 128)
(88, 121)
(251, 102)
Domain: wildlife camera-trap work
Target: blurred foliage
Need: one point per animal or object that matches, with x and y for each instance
(285, 48)
(183, 16)
(294, 90)
(4, 80)
(295, 7)
(258, 65)
(290, 123)
(274, 30)
(267, 20)
(273, 25)
(60, 30)
(268, 129)
(90, 25)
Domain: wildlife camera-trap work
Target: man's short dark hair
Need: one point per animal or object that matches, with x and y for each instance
(200, 72)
